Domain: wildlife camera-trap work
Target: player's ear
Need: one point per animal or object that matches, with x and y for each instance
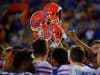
(47, 52)
(69, 59)
(85, 60)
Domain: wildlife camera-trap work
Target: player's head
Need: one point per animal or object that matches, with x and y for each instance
(22, 60)
(96, 49)
(36, 19)
(60, 56)
(53, 10)
(18, 47)
(40, 47)
(2, 33)
(37, 23)
(95, 45)
(77, 54)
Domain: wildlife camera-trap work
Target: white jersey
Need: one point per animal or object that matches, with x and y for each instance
(43, 68)
(9, 73)
(64, 70)
(75, 70)
(98, 71)
(78, 70)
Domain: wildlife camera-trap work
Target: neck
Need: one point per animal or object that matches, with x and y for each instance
(40, 58)
(77, 63)
(22, 69)
(99, 65)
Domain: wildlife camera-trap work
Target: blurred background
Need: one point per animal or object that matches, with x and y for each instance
(80, 15)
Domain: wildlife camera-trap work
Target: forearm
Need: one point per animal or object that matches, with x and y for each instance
(81, 43)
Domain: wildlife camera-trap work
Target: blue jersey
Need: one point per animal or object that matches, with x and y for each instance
(55, 69)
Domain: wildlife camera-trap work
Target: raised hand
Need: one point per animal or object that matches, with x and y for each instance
(71, 34)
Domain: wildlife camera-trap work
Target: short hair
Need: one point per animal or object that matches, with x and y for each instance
(60, 55)
(77, 54)
(21, 56)
(8, 49)
(96, 42)
(39, 47)
(18, 47)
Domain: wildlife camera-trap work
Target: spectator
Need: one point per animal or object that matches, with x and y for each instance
(3, 43)
(89, 34)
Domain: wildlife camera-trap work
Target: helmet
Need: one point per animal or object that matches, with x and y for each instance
(36, 20)
(46, 22)
(54, 10)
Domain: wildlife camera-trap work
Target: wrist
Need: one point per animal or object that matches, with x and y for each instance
(74, 38)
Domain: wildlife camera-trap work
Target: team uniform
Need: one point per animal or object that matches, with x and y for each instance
(63, 70)
(75, 70)
(43, 68)
(9, 73)
(46, 23)
(54, 70)
(98, 71)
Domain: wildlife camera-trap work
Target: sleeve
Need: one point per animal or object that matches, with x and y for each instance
(63, 70)
(44, 68)
(98, 71)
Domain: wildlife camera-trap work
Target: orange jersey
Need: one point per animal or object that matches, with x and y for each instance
(46, 22)
(35, 21)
